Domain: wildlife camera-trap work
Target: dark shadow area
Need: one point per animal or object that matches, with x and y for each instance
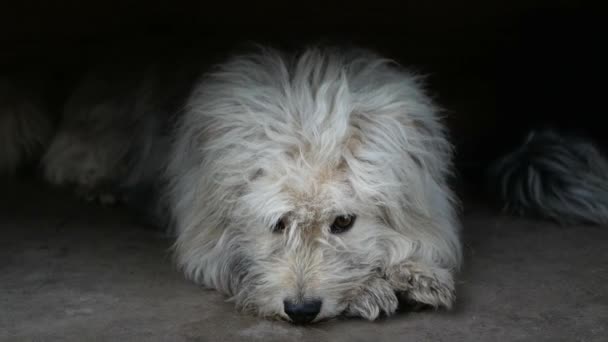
(497, 69)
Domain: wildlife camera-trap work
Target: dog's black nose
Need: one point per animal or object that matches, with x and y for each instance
(302, 312)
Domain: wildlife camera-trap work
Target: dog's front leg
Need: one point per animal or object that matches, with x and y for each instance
(421, 283)
(375, 297)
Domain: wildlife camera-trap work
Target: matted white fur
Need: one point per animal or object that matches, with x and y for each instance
(305, 138)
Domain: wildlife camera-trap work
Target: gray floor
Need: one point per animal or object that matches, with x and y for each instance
(70, 271)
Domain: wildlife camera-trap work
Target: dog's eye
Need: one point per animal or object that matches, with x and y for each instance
(343, 223)
(279, 227)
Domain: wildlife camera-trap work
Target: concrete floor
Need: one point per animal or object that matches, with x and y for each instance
(76, 272)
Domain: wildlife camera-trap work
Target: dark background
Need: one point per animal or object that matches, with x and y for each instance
(498, 67)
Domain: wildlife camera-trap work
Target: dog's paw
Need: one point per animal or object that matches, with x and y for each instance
(377, 297)
(420, 283)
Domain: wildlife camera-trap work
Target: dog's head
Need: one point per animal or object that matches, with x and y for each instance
(310, 175)
(312, 241)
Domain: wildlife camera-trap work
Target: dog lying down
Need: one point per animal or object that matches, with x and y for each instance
(304, 186)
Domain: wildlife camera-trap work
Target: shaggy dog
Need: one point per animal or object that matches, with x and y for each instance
(310, 185)
(303, 186)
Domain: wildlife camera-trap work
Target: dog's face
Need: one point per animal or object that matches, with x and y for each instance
(312, 241)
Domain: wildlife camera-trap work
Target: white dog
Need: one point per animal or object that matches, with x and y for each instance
(310, 185)
(303, 186)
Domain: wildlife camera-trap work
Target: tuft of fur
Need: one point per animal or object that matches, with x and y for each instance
(304, 138)
(25, 126)
(553, 176)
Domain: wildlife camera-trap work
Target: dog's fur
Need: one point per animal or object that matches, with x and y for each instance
(555, 176)
(268, 137)
(306, 138)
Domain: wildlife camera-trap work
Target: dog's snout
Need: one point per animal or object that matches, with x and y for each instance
(302, 312)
